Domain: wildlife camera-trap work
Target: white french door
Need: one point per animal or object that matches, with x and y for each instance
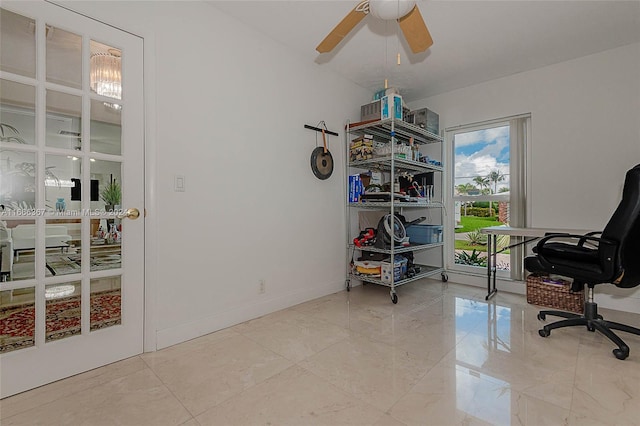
(71, 181)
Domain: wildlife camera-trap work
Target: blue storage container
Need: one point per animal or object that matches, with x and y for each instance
(424, 234)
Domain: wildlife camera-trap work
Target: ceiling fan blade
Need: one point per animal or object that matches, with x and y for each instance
(341, 30)
(415, 31)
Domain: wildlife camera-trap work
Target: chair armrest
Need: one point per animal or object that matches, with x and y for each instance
(588, 234)
(581, 239)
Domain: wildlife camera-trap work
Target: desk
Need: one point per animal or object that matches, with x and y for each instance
(529, 234)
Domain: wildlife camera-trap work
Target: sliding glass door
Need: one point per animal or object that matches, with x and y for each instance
(489, 189)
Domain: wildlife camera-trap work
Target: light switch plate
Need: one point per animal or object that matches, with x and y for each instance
(179, 183)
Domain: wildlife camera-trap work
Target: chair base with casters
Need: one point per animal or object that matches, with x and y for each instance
(593, 321)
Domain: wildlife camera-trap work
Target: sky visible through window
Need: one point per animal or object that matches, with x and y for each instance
(479, 153)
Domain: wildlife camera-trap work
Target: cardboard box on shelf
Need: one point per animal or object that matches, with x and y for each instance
(391, 107)
(381, 109)
(397, 272)
(355, 188)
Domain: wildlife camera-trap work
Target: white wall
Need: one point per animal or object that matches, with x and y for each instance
(227, 108)
(585, 136)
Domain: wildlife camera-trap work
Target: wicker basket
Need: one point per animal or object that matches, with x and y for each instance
(543, 291)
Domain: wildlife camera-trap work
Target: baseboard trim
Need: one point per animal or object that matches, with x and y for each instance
(183, 332)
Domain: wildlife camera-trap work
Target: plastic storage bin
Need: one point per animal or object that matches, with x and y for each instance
(424, 234)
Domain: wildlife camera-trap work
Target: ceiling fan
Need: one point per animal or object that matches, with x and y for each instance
(406, 12)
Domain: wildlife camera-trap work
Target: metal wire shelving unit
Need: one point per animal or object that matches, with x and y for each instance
(392, 131)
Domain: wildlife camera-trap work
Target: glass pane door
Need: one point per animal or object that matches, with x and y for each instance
(71, 271)
(480, 188)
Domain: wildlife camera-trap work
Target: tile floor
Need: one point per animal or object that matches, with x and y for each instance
(441, 356)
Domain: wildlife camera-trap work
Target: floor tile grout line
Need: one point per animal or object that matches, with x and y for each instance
(266, 348)
(62, 396)
(575, 375)
(143, 357)
(193, 415)
(372, 341)
(325, 380)
(166, 386)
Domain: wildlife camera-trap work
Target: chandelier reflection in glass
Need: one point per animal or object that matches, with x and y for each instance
(105, 77)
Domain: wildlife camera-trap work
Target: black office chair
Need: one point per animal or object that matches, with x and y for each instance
(613, 257)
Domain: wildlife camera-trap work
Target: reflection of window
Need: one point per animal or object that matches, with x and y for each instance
(497, 336)
(488, 187)
(483, 397)
(480, 395)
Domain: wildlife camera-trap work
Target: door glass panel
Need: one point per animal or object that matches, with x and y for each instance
(106, 128)
(105, 75)
(64, 114)
(106, 245)
(63, 245)
(17, 319)
(62, 306)
(64, 57)
(17, 181)
(17, 242)
(482, 165)
(17, 112)
(62, 172)
(17, 44)
(106, 302)
(109, 177)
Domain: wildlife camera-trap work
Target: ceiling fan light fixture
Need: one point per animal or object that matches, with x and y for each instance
(391, 9)
(405, 12)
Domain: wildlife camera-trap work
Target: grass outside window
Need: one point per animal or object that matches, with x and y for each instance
(471, 223)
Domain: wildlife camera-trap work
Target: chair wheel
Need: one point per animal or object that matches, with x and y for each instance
(543, 332)
(542, 316)
(591, 328)
(620, 354)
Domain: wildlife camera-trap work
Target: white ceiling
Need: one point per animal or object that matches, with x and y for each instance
(474, 41)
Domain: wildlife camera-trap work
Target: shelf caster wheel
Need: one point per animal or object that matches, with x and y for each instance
(620, 354)
(445, 277)
(394, 298)
(542, 317)
(348, 285)
(543, 332)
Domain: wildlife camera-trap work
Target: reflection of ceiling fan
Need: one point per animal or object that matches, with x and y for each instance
(404, 11)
